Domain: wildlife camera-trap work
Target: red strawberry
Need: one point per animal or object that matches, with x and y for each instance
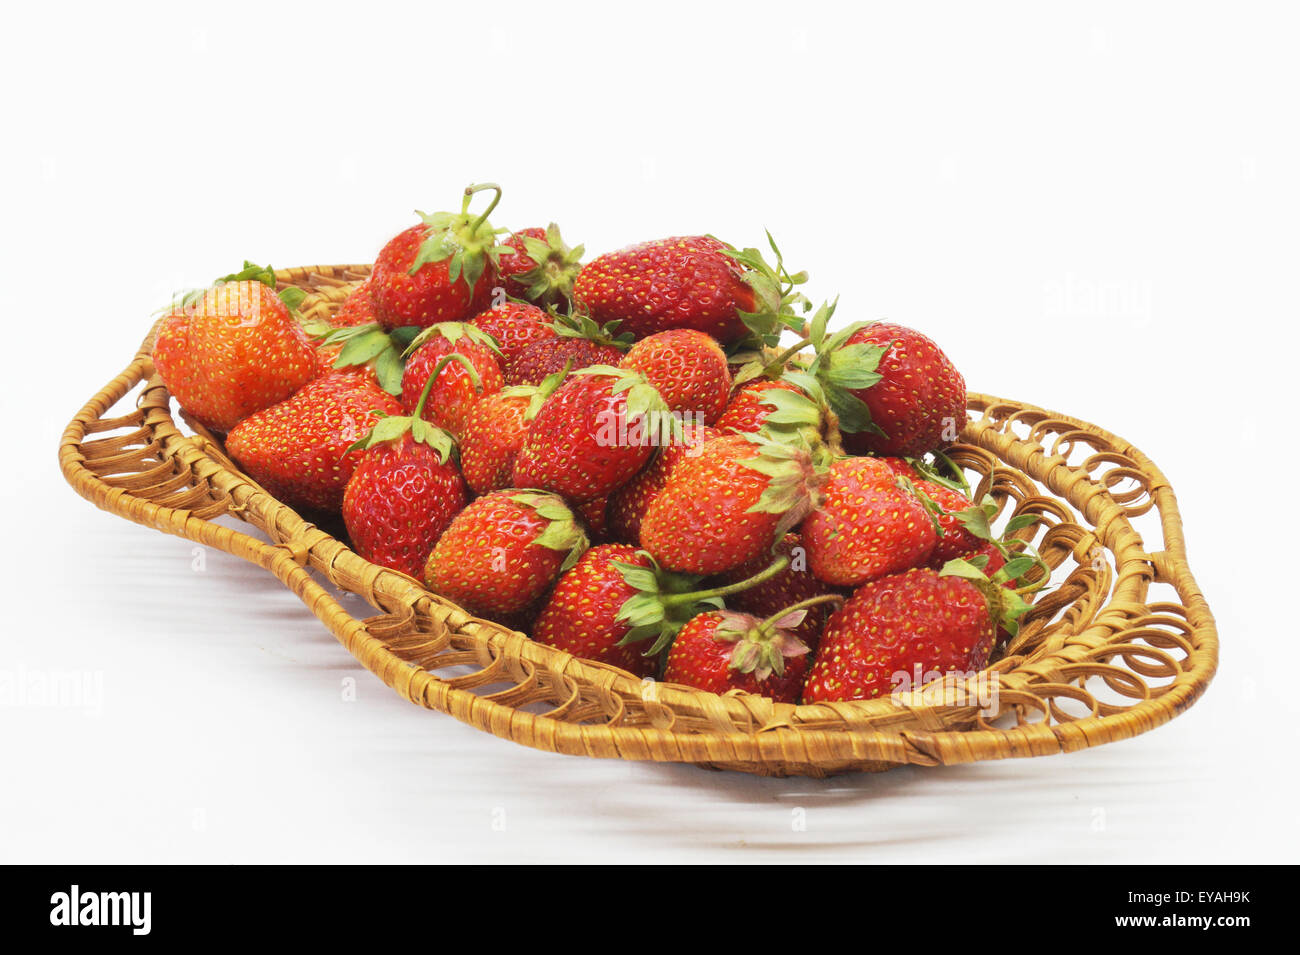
(232, 351)
(721, 650)
(536, 265)
(593, 434)
(357, 309)
(594, 514)
(688, 368)
(627, 505)
(581, 615)
(514, 326)
(955, 540)
(694, 282)
(442, 270)
(919, 402)
(495, 429)
(746, 410)
(300, 450)
(868, 525)
(534, 362)
(898, 626)
(729, 504)
(464, 362)
(793, 585)
(503, 551)
(403, 494)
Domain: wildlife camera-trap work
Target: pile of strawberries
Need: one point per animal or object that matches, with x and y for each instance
(622, 458)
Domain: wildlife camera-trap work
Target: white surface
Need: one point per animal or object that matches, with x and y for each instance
(1040, 189)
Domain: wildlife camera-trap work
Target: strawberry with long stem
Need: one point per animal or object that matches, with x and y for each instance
(722, 650)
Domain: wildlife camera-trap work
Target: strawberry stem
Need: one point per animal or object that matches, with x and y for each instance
(444, 362)
(778, 565)
(469, 192)
(780, 360)
(770, 622)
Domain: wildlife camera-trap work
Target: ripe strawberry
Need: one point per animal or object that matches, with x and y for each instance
(514, 326)
(536, 265)
(536, 361)
(627, 505)
(919, 402)
(955, 539)
(729, 504)
(919, 621)
(694, 282)
(231, 351)
(793, 585)
(300, 450)
(597, 431)
(867, 525)
(403, 494)
(442, 270)
(357, 309)
(745, 411)
(503, 551)
(463, 360)
(495, 429)
(721, 650)
(617, 606)
(688, 368)
(581, 615)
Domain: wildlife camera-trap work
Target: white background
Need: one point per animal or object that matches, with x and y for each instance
(1092, 207)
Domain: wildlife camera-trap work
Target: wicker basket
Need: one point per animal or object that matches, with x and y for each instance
(1098, 659)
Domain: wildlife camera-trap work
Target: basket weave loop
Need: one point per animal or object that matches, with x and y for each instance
(1098, 658)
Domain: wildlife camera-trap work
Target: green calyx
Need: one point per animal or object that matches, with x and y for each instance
(465, 240)
(577, 324)
(777, 304)
(665, 601)
(648, 419)
(369, 345)
(843, 369)
(550, 281)
(291, 296)
(562, 532)
(454, 332)
(795, 468)
(392, 428)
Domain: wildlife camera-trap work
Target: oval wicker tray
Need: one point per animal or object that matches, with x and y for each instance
(1098, 659)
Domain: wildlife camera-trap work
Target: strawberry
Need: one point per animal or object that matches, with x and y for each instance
(694, 282)
(597, 431)
(955, 539)
(688, 368)
(495, 429)
(721, 650)
(300, 450)
(914, 622)
(537, 360)
(868, 525)
(747, 410)
(231, 351)
(581, 615)
(594, 514)
(442, 270)
(404, 492)
(617, 606)
(503, 551)
(536, 265)
(795, 584)
(627, 505)
(514, 326)
(357, 309)
(730, 503)
(463, 360)
(917, 402)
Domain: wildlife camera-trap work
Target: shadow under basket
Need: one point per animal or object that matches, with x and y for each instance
(1099, 657)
